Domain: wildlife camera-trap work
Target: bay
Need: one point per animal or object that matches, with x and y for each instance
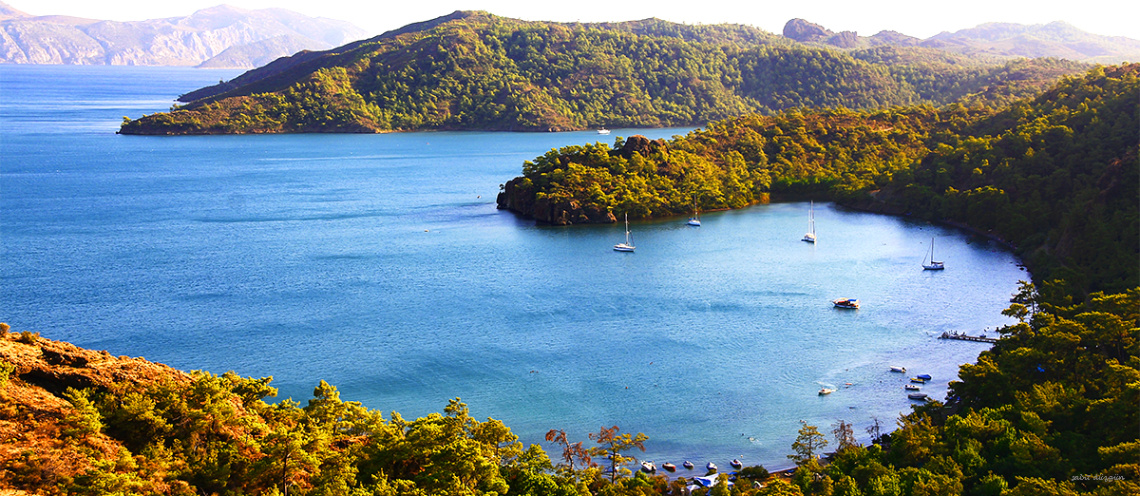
(380, 264)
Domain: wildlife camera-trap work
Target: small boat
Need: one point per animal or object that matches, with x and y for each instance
(917, 396)
(826, 391)
(851, 303)
(918, 380)
(628, 245)
(810, 236)
(648, 467)
(895, 368)
(736, 464)
(687, 464)
(603, 131)
(925, 377)
(711, 466)
(911, 387)
(669, 466)
(932, 265)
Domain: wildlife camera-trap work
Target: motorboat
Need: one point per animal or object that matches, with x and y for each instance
(736, 464)
(917, 396)
(918, 380)
(826, 391)
(628, 245)
(603, 131)
(648, 467)
(911, 387)
(925, 377)
(895, 368)
(669, 466)
(689, 465)
(850, 303)
(711, 466)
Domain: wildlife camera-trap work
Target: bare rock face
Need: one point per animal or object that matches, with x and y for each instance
(803, 31)
(845, 39)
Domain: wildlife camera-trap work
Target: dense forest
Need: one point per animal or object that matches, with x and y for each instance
(1051, 409)
(472, 70)
(1055, 175)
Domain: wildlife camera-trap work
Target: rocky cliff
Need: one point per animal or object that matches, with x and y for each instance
(259, 36)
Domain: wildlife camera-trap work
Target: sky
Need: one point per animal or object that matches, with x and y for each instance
(919, 18)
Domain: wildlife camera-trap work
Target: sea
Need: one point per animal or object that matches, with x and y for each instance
(380, 264)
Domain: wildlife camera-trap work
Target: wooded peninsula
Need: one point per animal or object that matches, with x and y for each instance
(1051, 409)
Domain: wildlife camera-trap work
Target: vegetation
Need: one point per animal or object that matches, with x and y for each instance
(1055, 175)
(477, 71)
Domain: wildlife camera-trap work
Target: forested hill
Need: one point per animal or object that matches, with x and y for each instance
(1056, 175)
(473, 70)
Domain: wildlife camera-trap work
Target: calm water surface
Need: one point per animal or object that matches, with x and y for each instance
(380, 264)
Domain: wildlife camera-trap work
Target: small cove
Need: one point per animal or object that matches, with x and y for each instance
(379, 264)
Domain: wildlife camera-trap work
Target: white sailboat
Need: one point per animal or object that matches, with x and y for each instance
(628, 245)
(695, 220)
(810, 236)
(932, 265)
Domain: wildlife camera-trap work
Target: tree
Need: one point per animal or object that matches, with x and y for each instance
(807, 444)
(569, 451)
(844, 435)
(612, 445)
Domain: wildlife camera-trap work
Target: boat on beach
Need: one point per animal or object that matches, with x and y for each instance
(628, 245)
(849, 303)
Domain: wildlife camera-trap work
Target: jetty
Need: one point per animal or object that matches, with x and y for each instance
(966, 337)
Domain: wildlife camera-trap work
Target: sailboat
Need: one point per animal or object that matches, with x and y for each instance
(628, 245)
(810, 236)
(932, 265)
(695, 220)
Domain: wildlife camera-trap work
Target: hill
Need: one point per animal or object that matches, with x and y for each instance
(991, 41)
(180, 41)
(474, 70)
(1056, 175)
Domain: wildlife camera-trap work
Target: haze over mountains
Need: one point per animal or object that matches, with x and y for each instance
(220, 36)
(994, 40)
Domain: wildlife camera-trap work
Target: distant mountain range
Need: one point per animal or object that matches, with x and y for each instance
(997, 41)
(220, 36)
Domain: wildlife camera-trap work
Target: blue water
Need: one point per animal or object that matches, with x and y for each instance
(380, 264)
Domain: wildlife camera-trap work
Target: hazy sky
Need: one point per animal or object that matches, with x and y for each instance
(867, 17)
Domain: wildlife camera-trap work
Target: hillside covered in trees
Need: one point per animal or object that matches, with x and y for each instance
(476, 71)
(1056, 175)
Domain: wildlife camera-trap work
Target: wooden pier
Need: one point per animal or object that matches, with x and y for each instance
(965, 337)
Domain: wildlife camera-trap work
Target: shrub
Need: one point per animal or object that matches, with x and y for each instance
(28, 337)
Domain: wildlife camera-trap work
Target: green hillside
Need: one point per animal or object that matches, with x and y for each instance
(473, 70)
(1055, 175)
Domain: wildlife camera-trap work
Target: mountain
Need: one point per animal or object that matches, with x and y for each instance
(179, 41)
(995, 41)
(477, 71)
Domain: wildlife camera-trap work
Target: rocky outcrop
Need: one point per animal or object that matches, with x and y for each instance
(804, 32)
(518, 194)
(180, 41)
